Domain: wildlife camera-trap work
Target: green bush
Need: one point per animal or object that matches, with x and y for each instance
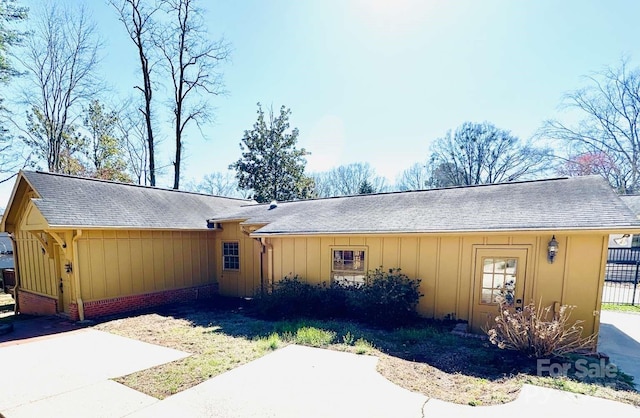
(386, 299)
(290, 298)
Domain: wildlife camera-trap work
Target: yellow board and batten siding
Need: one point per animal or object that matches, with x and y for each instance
(446, 265)
(38, 272)
(130, 262)
(244, 282)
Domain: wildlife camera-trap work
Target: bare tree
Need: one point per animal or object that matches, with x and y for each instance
(193, 63)
(346, 180)
(132, 129)
(480, 153)
(608, 126)
(60, 59)
(416, 177)
(322, 186)
(216, 184)
(137, 18)
(219, 184)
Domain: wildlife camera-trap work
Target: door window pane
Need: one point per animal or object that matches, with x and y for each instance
(498, 280)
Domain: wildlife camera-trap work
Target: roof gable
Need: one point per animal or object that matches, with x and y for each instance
(67, 201)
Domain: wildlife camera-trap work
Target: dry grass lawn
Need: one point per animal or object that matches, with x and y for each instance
(425, 359)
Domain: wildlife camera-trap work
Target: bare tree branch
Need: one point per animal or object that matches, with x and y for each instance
(60, 60)
(193, 63)
(137, 17)
(606, 140)
(347, 180)
(480, 153)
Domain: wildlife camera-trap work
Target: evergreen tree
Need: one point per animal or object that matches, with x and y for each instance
(365, 188)
(101, 146)
(271, 165)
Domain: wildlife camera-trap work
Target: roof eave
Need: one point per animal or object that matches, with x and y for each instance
(234, 219)
(610, 229)
(129, 227)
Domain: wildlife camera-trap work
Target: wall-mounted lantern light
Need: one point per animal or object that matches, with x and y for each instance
(552, 249)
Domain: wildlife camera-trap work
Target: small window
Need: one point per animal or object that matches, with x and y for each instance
(348, 266)
(230, 256)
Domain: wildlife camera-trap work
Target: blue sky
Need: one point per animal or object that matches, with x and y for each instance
(378, 80)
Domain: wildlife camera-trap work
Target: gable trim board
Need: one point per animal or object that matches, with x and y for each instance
(133, 246)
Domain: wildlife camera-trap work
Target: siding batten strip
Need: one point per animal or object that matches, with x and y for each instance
(565, 275)
(459, 277)
(437, 283)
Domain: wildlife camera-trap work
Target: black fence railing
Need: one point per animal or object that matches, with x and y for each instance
(622, 275)
(623, 255)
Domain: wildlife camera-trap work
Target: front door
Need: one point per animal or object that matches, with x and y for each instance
(500, 275)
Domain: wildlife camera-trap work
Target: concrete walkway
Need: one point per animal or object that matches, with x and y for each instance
(620, 339)
(295, 381)
(67, 375)
(534, 402)
(301, 381)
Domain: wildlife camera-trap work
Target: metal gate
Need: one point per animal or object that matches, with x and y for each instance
(621, 277)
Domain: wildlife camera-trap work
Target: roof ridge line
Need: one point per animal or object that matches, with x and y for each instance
(469, 186)
(133, 185)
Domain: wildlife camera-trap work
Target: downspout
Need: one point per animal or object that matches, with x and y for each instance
(270, 265)
(262, 250)
(16, 272)
(76, 275)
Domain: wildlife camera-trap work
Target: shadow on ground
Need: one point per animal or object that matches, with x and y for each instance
(27, 327)
(428, 341)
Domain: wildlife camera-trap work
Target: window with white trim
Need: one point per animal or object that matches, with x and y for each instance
(348, 265)
(499, 280)
(231, 255)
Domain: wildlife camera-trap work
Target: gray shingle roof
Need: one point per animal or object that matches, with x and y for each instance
(558, 204)
(82, 202)
(633, 201)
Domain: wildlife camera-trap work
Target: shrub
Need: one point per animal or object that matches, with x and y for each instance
(388, 298)
(363, 346)
(348, 338)
(290, 298)
(272, 342)
(536, 332)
